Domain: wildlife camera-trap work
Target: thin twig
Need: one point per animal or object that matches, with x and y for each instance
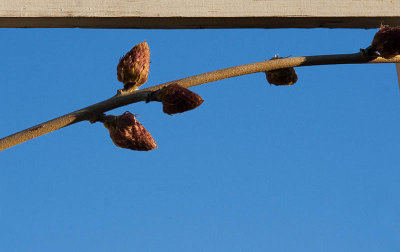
(90, 113)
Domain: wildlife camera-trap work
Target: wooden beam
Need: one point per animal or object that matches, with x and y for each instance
(169, 14)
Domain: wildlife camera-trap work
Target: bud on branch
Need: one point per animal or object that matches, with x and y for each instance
(176, 99)
(386, 41)
(281, 77)
(127, 132)
(133, 68)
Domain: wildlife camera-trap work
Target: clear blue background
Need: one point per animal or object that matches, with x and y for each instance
(310, 167)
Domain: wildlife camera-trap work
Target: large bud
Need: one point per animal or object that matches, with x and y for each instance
(127, 132)
(281, 77)
(387, 41)
(177, 99)
(133, 68)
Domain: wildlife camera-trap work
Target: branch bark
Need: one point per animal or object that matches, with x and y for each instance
(91, 112)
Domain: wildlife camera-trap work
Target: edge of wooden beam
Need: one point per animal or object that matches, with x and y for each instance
(196, 22)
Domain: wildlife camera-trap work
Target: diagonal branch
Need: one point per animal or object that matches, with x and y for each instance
(91, 112)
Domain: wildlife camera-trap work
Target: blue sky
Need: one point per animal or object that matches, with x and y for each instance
(310, 167)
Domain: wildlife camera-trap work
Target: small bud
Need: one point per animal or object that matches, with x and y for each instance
(127, 132)
(133, 68)
(387, 41)
(177, 99)
(281, 77)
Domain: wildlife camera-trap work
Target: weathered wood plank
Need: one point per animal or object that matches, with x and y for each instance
(199, 13)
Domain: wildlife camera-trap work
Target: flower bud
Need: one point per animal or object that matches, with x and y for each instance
(127, 132)
(281, 77)
(177, 99)
(133, 68)
(387, 41)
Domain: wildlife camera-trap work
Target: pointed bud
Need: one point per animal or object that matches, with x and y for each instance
(387, 41)
(133, 68)
(281, 77)
(177, 99)
(127, 132)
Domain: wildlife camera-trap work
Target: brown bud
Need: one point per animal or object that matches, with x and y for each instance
(133, 68)
(177, 99)
(281, 77)
(387, 41)
(127, 132)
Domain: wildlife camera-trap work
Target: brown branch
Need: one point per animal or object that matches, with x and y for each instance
(90, 113)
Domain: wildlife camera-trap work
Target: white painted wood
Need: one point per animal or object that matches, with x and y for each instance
(197, 8)
(199, 13)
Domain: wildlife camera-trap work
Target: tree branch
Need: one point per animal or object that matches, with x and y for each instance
(91, 112)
